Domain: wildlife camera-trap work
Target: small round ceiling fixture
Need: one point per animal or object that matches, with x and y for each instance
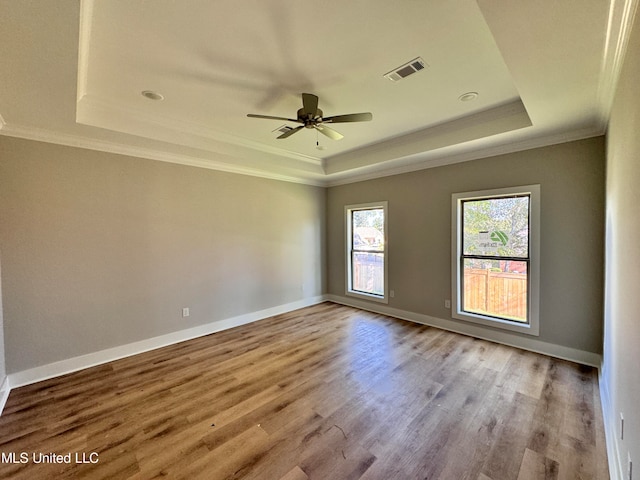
(467, 97)
(151, 95)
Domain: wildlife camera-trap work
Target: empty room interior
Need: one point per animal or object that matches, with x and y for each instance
(320, 240)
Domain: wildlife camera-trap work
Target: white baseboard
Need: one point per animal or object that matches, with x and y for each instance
(74, 364)
(610, 423)
(477, 331)
(4, 393)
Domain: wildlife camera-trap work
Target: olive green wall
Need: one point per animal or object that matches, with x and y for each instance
(101, 250)
(571, 176)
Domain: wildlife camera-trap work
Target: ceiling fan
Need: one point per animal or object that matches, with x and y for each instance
(310, 116)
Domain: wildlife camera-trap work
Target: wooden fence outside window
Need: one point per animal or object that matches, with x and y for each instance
(499, 294)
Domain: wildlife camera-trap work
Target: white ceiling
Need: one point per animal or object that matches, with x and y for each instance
(72, 72)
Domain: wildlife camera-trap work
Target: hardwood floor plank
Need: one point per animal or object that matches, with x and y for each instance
(600, 451)
(576, 460)
(295, 473)
(475, 431)
(549, 415)
(532, 383)
(326, 392)
(448, 435)
(537, 467)
(288, 447)
(580, 416)
(506, 454)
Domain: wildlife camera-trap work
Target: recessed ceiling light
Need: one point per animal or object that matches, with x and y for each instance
(467, 97)
(151, 95)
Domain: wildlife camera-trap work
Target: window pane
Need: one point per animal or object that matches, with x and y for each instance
(368, 227)
(496, 226)
(368, 272)
(497, 288)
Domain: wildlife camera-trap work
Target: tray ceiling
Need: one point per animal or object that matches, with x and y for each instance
(74, 73)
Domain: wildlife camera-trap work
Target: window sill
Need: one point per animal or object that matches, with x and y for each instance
(367, 296)
(526, 328)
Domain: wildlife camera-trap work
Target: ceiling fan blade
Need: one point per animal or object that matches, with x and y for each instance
(269, 117)
(351, 117)
(310, 103)
(290, 132)
(329, 132)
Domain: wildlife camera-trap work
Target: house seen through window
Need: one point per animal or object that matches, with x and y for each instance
(366, 250)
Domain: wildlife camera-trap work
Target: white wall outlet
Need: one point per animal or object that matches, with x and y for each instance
(447, 304)
(185, 312)
(392, 293)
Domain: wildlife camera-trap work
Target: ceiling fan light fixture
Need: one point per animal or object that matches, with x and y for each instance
(151, 95)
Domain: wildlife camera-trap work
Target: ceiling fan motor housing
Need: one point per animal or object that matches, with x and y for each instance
(309, 119)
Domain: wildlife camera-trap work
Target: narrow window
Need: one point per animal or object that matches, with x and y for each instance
(496, 257)
(366, 226)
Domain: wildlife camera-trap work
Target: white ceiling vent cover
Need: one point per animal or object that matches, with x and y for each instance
(407, 69)
(282, 129)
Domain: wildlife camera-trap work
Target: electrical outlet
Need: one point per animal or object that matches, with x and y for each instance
(447, 304)
(392, 293)
(185, 312)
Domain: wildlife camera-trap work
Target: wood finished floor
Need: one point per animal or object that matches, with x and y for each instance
(327, 392)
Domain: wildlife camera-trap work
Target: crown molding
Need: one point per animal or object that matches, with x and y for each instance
(444, 156)
(621, 18)
(414, 146)
(48, 136)
(111, 115)
(84, 44)
(431, 159)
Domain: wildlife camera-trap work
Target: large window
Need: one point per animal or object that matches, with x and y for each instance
(496, 257)
(366, 251)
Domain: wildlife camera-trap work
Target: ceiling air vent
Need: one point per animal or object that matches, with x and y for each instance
(282, 129)
(405, 70)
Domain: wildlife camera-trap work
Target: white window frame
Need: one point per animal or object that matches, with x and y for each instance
(532, 327)
(349, 291)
